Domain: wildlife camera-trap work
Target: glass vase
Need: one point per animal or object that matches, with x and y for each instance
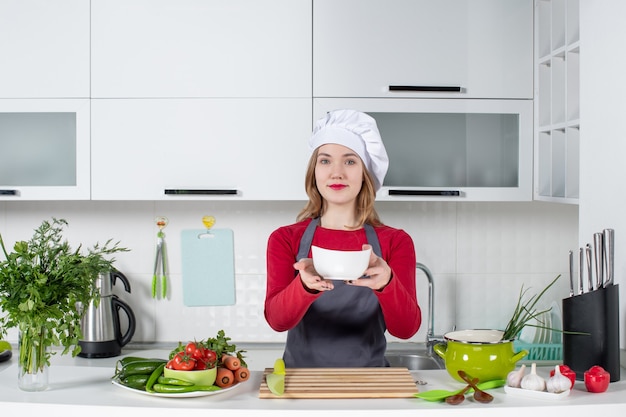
(32, 363)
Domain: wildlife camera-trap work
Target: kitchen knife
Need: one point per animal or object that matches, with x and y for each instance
(571, 273)
(598, 245)
(589, 268)
(581, 269)
(609, 252)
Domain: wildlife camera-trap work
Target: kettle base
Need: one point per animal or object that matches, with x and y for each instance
(106, 349)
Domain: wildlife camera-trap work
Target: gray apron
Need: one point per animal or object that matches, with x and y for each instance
(344, 327)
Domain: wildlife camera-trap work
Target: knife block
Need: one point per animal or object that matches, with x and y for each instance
(596, 313)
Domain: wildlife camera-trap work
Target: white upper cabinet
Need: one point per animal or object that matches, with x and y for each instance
(44, 49)
(201, 48)
(423, 48)
(44, 149)
(215, 149)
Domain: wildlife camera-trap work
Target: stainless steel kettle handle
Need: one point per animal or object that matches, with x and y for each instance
(119, 304)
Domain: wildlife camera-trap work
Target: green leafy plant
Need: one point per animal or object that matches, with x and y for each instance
(525, 311)
(41, 282)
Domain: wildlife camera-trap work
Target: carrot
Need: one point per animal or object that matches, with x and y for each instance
(231, 362)
(241, 374)
(225, 377)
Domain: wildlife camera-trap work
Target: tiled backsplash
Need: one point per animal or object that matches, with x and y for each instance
(479, 253)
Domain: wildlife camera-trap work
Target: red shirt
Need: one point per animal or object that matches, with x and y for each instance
(287, 301)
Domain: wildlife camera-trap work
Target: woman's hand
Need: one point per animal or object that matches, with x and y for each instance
(309, 277)
(378, 271)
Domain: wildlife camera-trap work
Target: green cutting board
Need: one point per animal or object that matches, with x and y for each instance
(208, 266)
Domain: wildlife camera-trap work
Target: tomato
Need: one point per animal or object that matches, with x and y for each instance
(183, 362)
(597, 379)
(194, 350)
(210, 356)
(170, 364)
(200, 366)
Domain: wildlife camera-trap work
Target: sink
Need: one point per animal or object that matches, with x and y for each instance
(413, 361)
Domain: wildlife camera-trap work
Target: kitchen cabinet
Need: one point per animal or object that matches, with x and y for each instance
(424, 48)
(557, 110)
(451, 150)
(44, 149)
(181, 149)
(44, 47)
(201, 48)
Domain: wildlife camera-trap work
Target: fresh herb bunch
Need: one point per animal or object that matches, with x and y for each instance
(525, 311)
(41, 282)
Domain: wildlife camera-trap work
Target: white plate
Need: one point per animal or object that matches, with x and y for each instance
(181, 395)
(557, 322)
(540, 395)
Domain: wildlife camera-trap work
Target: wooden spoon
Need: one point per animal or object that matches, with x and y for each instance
(479, 395)
(459, 397)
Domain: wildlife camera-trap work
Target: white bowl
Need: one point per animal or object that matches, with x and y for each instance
(340, 265)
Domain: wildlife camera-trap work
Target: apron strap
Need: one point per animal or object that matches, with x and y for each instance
(307, 239)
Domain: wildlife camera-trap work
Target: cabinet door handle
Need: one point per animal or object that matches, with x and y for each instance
(200, 192)
(9, 192)
(439, 193)
(435, 88)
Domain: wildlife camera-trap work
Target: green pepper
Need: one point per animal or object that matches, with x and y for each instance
(135, 381)
(173, 381)
(179, 389)
(154, 377)
(140, 367)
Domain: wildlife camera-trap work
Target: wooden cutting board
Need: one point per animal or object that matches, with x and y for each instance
(344, 383)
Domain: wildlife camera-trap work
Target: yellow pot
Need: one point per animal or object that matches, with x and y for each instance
(481, 354)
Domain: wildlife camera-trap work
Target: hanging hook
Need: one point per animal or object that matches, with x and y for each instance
(208, 222)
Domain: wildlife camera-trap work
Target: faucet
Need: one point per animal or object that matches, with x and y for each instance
(431, 339)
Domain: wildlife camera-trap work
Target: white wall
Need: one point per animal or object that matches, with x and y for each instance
(603, 139)
(479, 253)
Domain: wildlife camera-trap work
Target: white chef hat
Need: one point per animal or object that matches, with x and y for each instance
(357, 131)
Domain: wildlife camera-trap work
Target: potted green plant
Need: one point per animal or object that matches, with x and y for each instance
(41, 282)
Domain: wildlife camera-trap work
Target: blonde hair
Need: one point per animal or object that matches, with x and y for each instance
(316, 206)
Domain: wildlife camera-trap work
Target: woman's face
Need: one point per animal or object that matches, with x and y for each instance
(338, 174)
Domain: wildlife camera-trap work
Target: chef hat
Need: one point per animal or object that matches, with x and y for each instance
(357, 131)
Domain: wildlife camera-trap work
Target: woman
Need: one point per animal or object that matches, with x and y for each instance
(336, 323)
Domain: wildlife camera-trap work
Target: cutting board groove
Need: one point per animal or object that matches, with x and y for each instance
(390, 382)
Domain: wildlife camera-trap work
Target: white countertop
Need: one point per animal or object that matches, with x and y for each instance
(79, 385)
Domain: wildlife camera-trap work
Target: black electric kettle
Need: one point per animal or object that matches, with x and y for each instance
(100, 325)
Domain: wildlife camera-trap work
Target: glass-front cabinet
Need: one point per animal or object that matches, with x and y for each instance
(447, 149)
(44, 149)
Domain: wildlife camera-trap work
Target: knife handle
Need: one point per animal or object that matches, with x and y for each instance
(609, 253)
(581, 269)
(598, 244)
(589, 267)
(571, 273)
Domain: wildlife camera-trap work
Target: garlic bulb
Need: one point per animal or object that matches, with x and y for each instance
(532, 381)
(514, 378)
(558, 382)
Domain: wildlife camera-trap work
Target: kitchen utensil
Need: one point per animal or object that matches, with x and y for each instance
(609, 255)
(384, 382)
(101, 325)
(581, 270)
(160, 260)
(598, 246)
(571, 273)
(588, 256)
(459, 397)
(479, 395)
(482, 353)
(208, 265)
(442, 394)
